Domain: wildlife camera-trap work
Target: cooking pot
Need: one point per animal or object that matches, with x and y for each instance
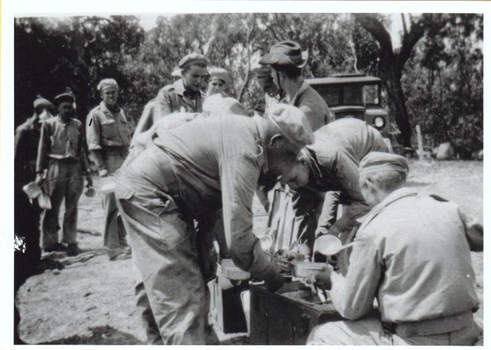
(307, 269)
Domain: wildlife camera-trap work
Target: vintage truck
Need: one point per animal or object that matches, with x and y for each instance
(357, 96)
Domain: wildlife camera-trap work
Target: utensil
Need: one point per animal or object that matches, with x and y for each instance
(307, 269)
(330, 245)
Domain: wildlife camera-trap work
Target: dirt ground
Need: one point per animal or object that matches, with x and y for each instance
(91, 301)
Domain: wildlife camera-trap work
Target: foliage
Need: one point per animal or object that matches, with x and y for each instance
(435, 78)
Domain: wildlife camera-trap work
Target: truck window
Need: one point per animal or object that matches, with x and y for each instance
(370, 94)
(330, 94)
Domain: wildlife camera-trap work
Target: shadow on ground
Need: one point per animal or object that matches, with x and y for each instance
(100, 336)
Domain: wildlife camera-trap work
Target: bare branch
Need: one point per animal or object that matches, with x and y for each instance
(404, 27)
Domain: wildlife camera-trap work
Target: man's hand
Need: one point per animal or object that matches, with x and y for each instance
(323, 278)
(39, 179)
(273, 280)
(103, 173)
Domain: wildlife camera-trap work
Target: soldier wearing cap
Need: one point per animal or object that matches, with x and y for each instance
(411, 254)
(108, 139)
(218, 81)
(331, 164)
(188, 173)
(183, 96)
(287, 60)
(62, 158)
(26, 214)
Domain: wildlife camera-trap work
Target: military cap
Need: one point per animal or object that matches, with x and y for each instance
(64, 97)
(292, 124)
(41, 102)
(381, 161)
(220, 73)
(285, 53)
(219, 105)
(192, 58)
(104, 83)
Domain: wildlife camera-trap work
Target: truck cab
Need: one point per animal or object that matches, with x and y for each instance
(356, 96)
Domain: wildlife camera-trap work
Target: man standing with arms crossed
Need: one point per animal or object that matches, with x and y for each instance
(108, 139)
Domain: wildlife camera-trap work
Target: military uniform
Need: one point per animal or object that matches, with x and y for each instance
(108, 138)
(333, 161)
(175, 98)
(189, 173)
(306, 203)
(411, 255)
(61, 153)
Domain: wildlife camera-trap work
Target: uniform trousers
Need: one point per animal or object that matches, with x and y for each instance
(114, 231)
(64, 182)
(163, 242)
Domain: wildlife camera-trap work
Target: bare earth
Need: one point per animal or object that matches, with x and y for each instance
(91, 301)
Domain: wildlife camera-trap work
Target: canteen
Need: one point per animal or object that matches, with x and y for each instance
(90, 192)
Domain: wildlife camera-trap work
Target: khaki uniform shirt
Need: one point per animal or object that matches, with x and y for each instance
(175, 98)
(61, 141)
(218, 162)
(412, 255)
(312, 105)
(336, 155)
(107, 129)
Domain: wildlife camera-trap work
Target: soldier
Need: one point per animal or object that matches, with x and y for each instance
(108, 139)
(26, 215)
(218, 81)
(188, 173)
(287, 61)
(411, 254)
(62, 157)
(331, 164)
(272, 94)
(184, 95)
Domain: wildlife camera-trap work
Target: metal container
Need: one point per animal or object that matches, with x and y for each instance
(307, 269)
(108, 185)
(32, 190)
(232, 272)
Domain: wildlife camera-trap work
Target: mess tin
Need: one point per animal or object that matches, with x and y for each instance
(32, 190)
(307, 269)
(330, 245)
(232, 272)
(108, 185)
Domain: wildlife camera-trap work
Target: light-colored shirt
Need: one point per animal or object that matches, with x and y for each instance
(175, 98)
(107, 129)
(60, 140)
(338, 149)
(218, 161)
(412, 255)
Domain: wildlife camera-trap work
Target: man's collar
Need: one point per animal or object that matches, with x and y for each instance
(107, 110)
(301, 89)
(392, 197)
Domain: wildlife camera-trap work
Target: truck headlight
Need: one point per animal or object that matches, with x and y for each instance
(379, 122)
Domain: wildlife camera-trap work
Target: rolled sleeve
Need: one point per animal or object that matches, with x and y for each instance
(474, 232)
(239, 177)
(353, 294)
(93, 132)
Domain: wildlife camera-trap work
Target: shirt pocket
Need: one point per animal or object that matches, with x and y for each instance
(125, 131)
(109, 129)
